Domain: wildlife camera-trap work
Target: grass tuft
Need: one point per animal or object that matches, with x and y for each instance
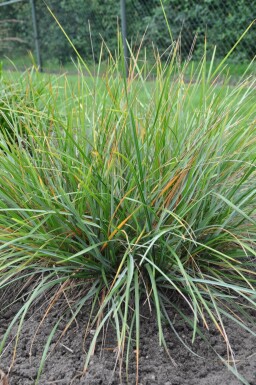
(131, 189)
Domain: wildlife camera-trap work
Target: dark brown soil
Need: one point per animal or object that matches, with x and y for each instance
(64, 365)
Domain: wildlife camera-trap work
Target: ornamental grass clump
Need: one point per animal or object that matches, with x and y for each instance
(139, 192)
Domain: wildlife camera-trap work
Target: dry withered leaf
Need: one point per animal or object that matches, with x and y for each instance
(3, 378)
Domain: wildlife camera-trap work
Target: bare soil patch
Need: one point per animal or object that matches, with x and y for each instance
(65, 362)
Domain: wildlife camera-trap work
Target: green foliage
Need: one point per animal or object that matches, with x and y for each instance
(88, 22)
(10, 101)
(133, 189)
(221, 22)
(15, 98)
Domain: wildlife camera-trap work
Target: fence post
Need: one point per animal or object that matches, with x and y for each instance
(36, 39)
(124, 36)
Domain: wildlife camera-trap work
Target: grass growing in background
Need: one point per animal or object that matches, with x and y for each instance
(233, 70)
(131, 190)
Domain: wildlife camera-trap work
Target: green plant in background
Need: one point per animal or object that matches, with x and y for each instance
(130, 190)
(86, 22)
(221, 23)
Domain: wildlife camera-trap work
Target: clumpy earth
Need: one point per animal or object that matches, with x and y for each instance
(66, 357)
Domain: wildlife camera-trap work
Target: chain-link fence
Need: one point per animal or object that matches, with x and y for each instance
(90, 22)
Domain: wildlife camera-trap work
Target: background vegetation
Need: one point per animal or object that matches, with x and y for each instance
(222, 21)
